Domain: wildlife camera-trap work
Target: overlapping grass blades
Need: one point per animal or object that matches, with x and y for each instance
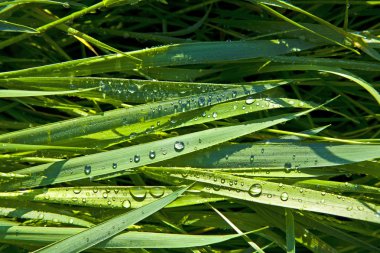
(185, 92)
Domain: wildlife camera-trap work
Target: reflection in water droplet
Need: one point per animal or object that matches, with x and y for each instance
(87, 169)
(136, 159)
(179, 146)
(126, 204)
(255, 190)
(152, 154)
(157, 191)
(284, 196)
(138, 193)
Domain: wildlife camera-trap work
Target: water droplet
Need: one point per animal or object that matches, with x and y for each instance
(269, 195)
(71, 221)
(214, 115)
(84, 200)
(157, 192)
(262, 151)
(201, 101)
(152, 154)
(249, 100)
(41, 216)
(77, 190)
(87, 169)
(252, 158)
(179, 146)
(287, 167)
(284, 196)
(66, 5)
(105, 195)
(255, 190)
(95, 190)
(349, 208)
(126, 204)
(114, 165)
(234, 93)
(136, 159)
(138, 193)
(323, 193)
(360, 208)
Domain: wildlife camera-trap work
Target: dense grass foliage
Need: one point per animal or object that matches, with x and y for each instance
(189, 126)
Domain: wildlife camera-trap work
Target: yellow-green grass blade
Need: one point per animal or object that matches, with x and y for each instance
(265, 192)
(6, 26)
(119, 197)
(32, 93)
(15, 147)
(45, 235)
(170, 55)
(62, 130)
(34, 211)
(290, 236)
(90, 237)
(10, 175)
(132, 157)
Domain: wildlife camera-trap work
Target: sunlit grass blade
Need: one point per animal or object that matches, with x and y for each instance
(31, 93)
(90, 237)
(265, 192)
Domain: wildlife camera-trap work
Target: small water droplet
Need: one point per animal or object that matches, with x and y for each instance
(214, 115)
(136, 158)
(234, 93)
(284, 196)
(262, 151)
(105, 195)
(269, 195)
(71, 221)
(157, 192)
(138, 193)
(255, 190)
(323, 193)
(179, 146)
(87, 169)
(152, 154)
(252, 158)
(66, 5)
(287, 167)
(41, 216)
(201, 101)
(114, 165)
(77, 190)
(126, 204)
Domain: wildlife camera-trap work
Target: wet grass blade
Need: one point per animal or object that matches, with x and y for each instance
(109, 228)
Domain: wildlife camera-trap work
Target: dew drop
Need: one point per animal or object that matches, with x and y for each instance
(179, 146)
(269, 195)
(157, 192)
(114, 165)
(214, 115)
(71, 221)
(41, 216)
(234, 93)
(201, 101)
(87, 169)
(105, 195)
(255, 190)
(284, 196)
(138, 193)
(77, 190)
(126, 204)
(252, 158)
(249, 100)
(136, 158)
(152, 154)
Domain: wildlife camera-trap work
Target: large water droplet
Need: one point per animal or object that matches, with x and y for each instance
(179, 146)
(249, 100)
(284, 196)
(152, 154)
(255, 190)
(126, 204)
(138, 193)
(136, 159)
(87, 169)
(157, 192)
(77, 190)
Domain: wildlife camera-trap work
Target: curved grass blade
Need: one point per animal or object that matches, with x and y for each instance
(131, 157)
(265, 192)
(6, 26)
(109, 228)
(44, 235)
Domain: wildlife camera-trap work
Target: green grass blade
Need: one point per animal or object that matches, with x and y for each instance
(290, 236)
(6, 26)
(107, 229)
